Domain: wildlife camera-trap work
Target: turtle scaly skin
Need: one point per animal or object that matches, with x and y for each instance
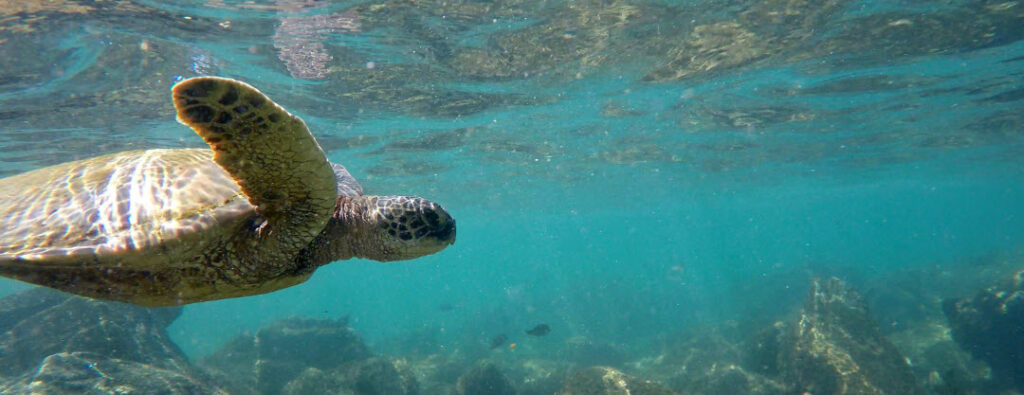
(259, 212)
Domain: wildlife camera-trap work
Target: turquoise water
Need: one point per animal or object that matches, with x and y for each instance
(623, 171)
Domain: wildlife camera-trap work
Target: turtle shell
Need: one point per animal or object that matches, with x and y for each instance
(117, 204)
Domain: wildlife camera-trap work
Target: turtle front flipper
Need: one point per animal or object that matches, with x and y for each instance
(269, 152)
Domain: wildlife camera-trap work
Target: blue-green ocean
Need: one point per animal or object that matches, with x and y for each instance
(634, 174)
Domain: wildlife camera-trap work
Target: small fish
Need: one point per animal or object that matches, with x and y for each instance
(497, 341)
(512, 346)
(539, 330)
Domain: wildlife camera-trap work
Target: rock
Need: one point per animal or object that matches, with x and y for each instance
(298, 356)
(373, 376)
(708, 362)
(836, 348)
(234, 364)
(540, 376)
(56, 343)
(729, 379)
(603, 380)
(41, 322)
(990, 326)
(287, 347)
(702, 348)
(941, 366)
(760, 353)
(90, 373)
(484, 379)
(951, 370)
(438, 373)
(376, 376)
(316, 381)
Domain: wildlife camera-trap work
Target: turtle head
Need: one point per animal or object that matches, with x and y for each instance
(390, 228)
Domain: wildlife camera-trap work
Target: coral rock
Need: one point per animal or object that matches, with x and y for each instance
(602, 380)
(484, 379)
(282, 351)
(52, 342)
(990, 325)
(836, 348)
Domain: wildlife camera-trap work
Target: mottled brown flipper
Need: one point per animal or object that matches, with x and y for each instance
(269, 152)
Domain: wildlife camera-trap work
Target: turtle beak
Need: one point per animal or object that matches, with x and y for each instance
(445, 231)
(452, 227)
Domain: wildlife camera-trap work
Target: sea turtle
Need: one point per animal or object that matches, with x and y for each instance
(158, 227)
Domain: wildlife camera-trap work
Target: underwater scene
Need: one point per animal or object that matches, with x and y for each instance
(651, 197)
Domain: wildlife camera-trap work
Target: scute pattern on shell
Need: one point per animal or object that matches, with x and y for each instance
(115, 203)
